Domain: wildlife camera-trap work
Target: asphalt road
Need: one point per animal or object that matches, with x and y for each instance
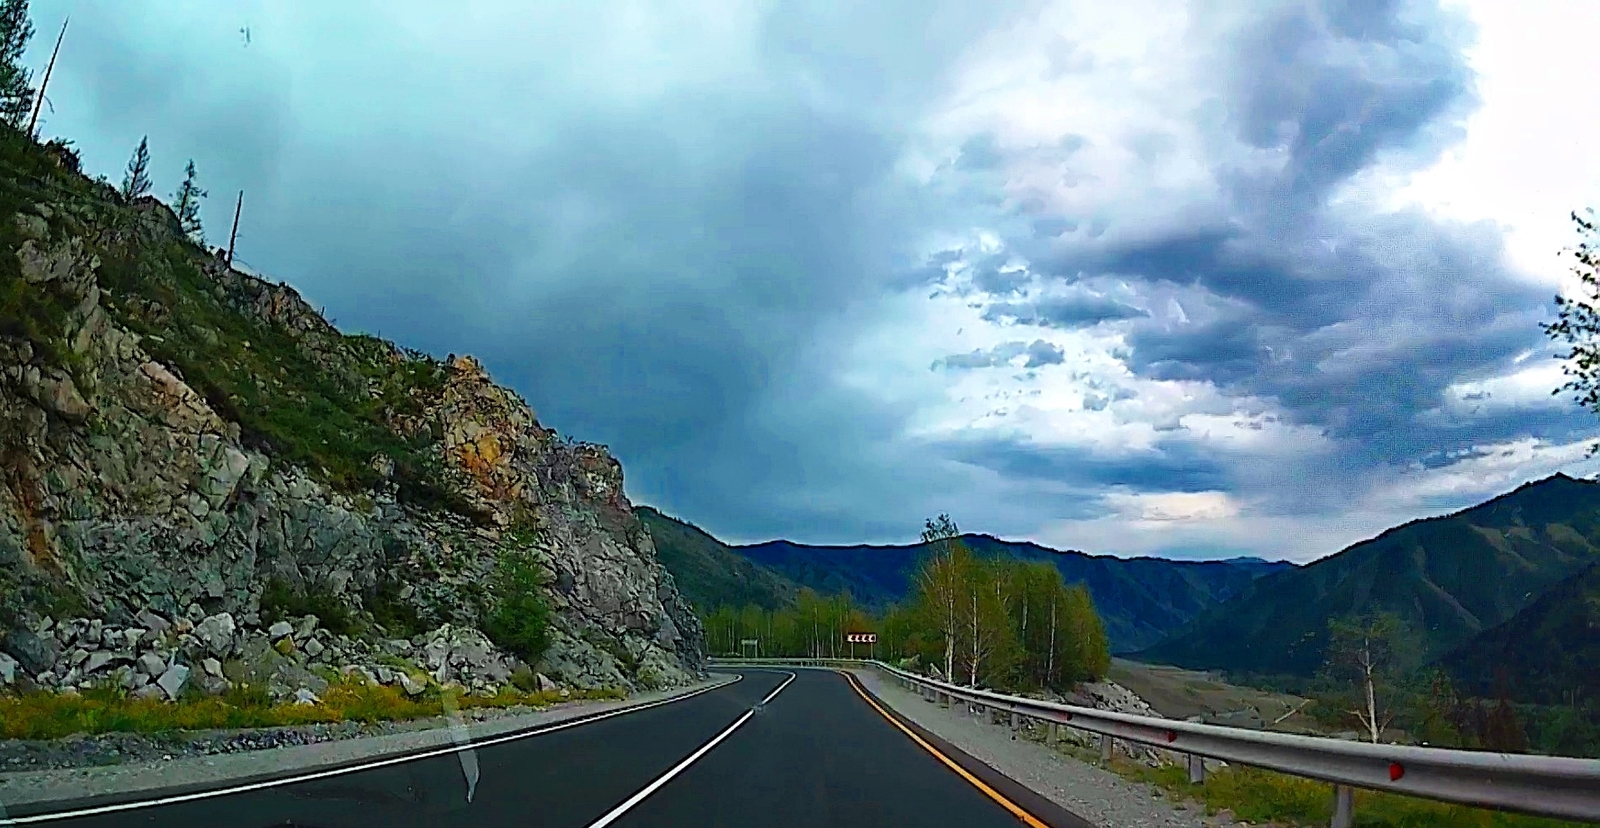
(818, 753)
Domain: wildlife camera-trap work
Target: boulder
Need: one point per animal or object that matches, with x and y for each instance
(544, 683)
(211, 685)
(313, 648)
(412, 686)
(8, 670)
(305, 696)
(173, 680)
(212, 667)
(305, 627)
(36, 653)
(215, 634)
(148, 691)
(151, 664)
(152, 623)
(260, 665)
(282, 629)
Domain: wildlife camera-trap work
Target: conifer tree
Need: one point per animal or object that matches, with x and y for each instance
(16, 97)
(137, 181)
(186, 203)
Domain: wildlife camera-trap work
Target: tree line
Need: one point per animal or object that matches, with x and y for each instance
(978, 621)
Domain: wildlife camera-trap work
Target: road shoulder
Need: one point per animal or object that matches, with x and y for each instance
(1097, 795)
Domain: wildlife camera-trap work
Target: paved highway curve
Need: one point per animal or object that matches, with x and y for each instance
(818, 752)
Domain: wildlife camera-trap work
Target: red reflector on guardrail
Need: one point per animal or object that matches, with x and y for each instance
(1396, 770)
(1171, 736)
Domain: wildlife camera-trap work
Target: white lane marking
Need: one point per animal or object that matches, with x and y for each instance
(273, 783)
(651, 788)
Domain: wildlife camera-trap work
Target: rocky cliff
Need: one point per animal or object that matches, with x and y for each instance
(198, 471)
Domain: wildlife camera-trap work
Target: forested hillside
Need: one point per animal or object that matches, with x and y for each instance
(1140, 599)
(1447, 579)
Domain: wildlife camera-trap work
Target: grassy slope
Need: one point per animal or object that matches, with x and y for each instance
(707, 572)
(1449, 577)
(1140, 599)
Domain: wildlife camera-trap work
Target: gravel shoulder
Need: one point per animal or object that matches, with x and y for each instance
(122, 764)
(1099, 796)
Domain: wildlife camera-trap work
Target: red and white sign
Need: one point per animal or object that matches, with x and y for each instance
(861, 638)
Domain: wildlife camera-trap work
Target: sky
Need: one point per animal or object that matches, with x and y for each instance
(1191, 278)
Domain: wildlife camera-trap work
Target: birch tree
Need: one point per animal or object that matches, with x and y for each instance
(939, 583)
(1362, 650)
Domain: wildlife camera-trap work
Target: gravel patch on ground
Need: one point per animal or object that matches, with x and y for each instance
(1099, 796)
(120, 763)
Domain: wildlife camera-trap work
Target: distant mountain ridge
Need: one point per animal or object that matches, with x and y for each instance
(1450, 577)
(710, 574)
(1140, 599)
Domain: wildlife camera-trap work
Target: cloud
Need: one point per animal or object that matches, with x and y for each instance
(729, 243)
(1068, 311)
(1038, 353)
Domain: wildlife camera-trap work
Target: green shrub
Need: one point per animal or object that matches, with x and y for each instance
(1260, 796)
(519, 620)
(523, 679)
(395, 614)
(282, 602)
(106, 710)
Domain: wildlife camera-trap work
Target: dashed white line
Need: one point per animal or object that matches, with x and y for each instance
(617, 812)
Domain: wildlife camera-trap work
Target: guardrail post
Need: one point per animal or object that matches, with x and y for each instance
(1344, 806)
(1052, 733)
(1013, 720)
(1105, 748)
(1197, 769)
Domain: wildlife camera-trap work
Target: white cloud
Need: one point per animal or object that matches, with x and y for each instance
(1528, 159)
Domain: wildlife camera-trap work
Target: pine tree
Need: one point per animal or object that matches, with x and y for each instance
(137, 182)
(16, 97)
(186, 202)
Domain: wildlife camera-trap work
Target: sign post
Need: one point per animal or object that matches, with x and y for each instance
(861, 638)
(748, 643)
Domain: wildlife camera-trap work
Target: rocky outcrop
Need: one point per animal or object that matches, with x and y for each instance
(151, 477)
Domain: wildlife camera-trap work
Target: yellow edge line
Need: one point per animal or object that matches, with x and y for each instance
(1013, 807)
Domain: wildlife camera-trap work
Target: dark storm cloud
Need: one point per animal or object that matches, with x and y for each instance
(1172, 466)
(1039, 353)
(979, 154)
(644, 258)
(1354, 320)
(1078, 310)
(643, 238)
(991, 277)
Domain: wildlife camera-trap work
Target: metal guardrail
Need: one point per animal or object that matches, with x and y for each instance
(1549, 786)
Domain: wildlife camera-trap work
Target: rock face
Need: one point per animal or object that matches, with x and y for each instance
(182, 445)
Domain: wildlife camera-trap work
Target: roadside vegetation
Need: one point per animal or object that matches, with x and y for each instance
(986, 622)
(352, 699)
(1264, 797)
